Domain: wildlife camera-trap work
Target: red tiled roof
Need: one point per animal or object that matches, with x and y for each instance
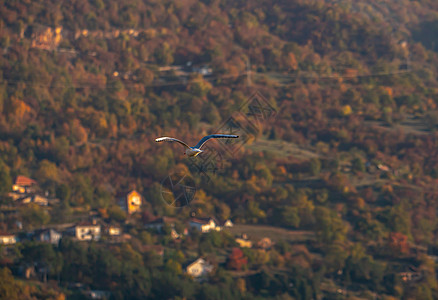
(24, 181)
(2, 233)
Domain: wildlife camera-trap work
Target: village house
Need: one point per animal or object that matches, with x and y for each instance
(37, 199)
(244, 243)
(411, 275)
(265, 243)
(130, 202)
(204, 224)
(23, 185)
(203, 70)
(7, 238)
(86, 231)
(199, 269)
(113, 230)
(114, 233)
(383, 168)
(97, 294)
(174, 235)
(48, 236)
(227, 224)
(46, 38)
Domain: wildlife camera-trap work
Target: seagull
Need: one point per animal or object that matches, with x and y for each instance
(194, 151)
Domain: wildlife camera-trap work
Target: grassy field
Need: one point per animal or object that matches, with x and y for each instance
(408, 125)
(276, 234)
(281, 149)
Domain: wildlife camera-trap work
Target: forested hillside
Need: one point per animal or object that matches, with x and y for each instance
(348, 155)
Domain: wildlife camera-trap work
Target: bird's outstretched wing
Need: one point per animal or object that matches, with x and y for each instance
(215, 136)
(169, 139)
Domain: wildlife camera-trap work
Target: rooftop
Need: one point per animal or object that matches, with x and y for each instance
(24, 181)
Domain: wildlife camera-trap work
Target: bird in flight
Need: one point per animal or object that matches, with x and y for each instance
(194, 151)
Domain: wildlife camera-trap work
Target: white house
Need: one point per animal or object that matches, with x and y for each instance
(227, 223)
(48, 236)
(204, 224)
(199, 268)
(7, 239)
(113, 230)
(38, 199)
(87, 231)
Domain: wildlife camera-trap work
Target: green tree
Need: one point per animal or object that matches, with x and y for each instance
(164, 54)
(9, 288)
(5, 178)
(329, 227)
(34, 215)
(63, 192)
(43, 254)
(358, 165)
(82, 190)
(290, 217)
(315, 166)
(173, 267)
(47, 173)
(116, 213)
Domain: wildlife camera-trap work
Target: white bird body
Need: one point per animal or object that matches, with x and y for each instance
(194, 151)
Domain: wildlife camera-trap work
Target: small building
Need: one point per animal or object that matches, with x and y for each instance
(40, 200)
(7, 238)
(411, 274)
(199, 269)
(383, 168)
(113, 230)
(265, 243)
(204, 224)
(37, 199)
(48, 236)
(24, 185)
(203, 70)
(87, 231)
(227, 224)
(170, 68)
(130, 202)
(244, 243)
(175, 235)
(97, 294)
